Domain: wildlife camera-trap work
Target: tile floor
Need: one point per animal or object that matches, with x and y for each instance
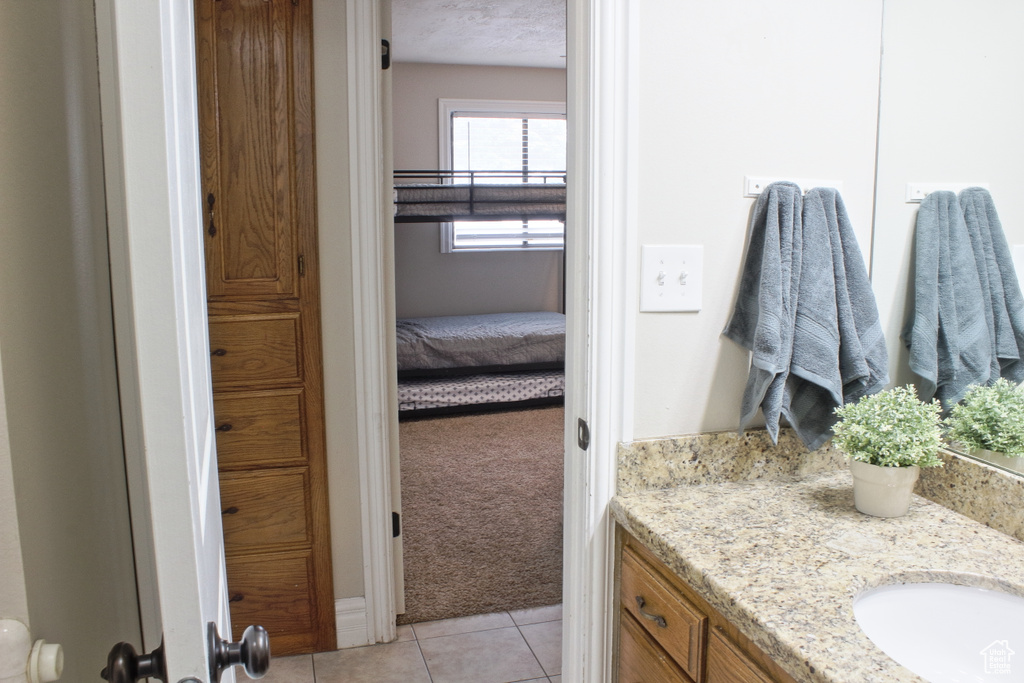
(524, 645)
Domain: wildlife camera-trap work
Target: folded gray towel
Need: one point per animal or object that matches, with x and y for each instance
(947, 333)
(839, 351)
(1004, 309)
(763, 318)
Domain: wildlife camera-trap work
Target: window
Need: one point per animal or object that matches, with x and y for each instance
(515, 137)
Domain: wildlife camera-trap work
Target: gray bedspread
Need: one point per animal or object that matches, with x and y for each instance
(507, 339)
(521, 199)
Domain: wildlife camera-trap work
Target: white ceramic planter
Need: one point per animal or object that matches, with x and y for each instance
(882, 491)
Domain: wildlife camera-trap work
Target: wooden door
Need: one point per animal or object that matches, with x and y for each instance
(254, 63)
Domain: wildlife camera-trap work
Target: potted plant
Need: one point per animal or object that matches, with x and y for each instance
(989, 423)
(888, 437)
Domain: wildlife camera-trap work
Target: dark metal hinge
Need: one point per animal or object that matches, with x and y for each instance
(396, 525)
(582, 434)
(302, 265)
(385, 54)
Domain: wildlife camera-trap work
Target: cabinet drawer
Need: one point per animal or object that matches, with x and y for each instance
(273, 590)
(728, 664)
(264, 508)
(640, 658)
(672, 620)
(259, 428)
(255, 349)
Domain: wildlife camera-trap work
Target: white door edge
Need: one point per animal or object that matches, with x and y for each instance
(602, 43)
(373, 418)
(151, 167)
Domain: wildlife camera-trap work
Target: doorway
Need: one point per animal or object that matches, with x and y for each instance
(481, 489)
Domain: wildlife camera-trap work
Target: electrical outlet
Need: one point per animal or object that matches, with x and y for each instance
(670, 277)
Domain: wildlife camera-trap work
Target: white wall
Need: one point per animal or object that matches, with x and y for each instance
(428, 282)
(951, 103)
(56, 332)
(728, 89)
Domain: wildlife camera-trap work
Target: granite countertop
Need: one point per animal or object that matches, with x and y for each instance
(784, 559)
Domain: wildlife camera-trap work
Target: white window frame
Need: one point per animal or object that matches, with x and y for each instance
(446, 107)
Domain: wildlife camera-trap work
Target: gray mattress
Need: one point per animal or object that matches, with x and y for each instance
(521, 199)
(478, 343)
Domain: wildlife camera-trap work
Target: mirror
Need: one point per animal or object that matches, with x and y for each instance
(950, 111)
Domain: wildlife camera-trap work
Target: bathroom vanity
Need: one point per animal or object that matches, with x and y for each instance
(755, 572)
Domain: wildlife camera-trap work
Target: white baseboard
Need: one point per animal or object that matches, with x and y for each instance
(350, 618)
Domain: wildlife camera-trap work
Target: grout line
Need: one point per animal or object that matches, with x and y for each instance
(423, 657)
(530, 648)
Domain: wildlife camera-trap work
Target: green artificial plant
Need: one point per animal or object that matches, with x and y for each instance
(891, 429)
(989, 418)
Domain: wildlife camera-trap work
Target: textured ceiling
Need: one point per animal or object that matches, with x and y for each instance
(491, 32)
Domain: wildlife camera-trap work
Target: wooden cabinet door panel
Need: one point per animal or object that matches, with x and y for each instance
(247, 95)
(640, 658)
(728, 664)
(265, 508)
(273, 589)
(680, 626)
(259, 428)
(255, 349)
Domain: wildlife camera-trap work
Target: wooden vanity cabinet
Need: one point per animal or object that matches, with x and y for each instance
(668, 634)
(255, 97)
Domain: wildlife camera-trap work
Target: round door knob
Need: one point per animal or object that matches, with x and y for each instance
(252, 652)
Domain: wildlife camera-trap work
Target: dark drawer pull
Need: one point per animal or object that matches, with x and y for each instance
(237, 597)
(224, 428)
(659, 620)
(219, 352)
(230, 511)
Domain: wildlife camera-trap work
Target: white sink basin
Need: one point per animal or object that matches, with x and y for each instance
(945, 632)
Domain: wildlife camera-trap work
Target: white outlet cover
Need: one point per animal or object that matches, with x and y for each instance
(671, 277)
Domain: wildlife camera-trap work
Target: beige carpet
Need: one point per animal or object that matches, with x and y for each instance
(481, 513)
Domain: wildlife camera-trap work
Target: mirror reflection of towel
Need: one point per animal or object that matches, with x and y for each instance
(947, 333)
(1004, 312)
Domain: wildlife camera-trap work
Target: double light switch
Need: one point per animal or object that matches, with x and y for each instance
(670, 277)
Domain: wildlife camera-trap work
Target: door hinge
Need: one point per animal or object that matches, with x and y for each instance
(302, 265)
(582, 434)
(385, 54)
(396, 525)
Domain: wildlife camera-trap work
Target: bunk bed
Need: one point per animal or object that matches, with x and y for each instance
(457, 364)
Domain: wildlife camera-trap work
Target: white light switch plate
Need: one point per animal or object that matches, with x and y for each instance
(671, 276)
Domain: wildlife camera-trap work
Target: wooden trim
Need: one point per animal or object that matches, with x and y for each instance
(369, 297)
(600, 300)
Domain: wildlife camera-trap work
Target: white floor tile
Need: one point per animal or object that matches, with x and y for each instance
(297, 669)
(495, 656)
(448, 627)
(536, 615)
(545, 639)
(389, 663)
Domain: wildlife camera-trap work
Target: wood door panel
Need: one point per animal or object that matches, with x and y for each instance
(640, 658)
(728, 664)
(263, 509)
(259, 428)
(273, 590)
(249, 155)
(255, 349)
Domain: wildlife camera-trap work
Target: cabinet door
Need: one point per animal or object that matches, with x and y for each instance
(728, 664)
(641, 660)
(253, 68)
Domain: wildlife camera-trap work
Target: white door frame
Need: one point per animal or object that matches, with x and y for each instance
(601, 295)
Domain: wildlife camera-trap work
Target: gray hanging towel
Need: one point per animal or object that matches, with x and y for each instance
(839, 351)
(762, 320)
(1004, 309)
(947, 334)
